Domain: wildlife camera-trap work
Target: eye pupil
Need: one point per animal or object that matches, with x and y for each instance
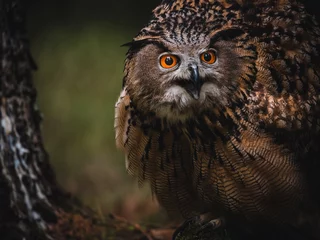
(169, 61)
(207, 57)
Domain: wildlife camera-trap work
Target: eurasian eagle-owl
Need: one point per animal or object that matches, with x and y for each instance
(220, 111)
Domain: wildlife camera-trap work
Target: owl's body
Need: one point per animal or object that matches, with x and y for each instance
(220, 111)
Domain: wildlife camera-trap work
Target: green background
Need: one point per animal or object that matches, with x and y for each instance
(76, 45)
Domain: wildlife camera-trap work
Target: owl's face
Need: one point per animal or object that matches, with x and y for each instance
(179, 80)
(185, 69)
(176, 80)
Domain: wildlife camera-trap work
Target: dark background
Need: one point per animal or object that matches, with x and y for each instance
(76, 45)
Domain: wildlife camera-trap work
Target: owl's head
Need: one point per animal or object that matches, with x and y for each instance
(193, 56)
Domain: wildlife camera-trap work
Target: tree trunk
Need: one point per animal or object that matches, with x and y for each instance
(27, 180)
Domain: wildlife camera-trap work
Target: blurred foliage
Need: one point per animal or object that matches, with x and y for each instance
(76, 45)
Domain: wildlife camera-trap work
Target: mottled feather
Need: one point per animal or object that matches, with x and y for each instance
(248, 146)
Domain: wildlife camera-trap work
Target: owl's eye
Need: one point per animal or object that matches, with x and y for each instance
(208, 57)
(168, 61)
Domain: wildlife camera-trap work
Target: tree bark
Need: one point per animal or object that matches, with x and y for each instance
(27, 180)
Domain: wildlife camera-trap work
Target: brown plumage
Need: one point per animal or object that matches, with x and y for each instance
(220, 111)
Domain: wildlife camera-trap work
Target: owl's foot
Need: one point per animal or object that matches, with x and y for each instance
(197, 228)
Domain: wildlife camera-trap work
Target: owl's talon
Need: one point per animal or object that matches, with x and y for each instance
(213, 224)
(186, 225)
(196, 228)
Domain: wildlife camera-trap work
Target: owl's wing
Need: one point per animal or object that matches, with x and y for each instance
(242, 171)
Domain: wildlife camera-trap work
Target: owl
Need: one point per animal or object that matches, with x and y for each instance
(220, 114)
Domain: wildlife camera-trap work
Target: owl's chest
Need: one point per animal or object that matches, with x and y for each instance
(205, 166)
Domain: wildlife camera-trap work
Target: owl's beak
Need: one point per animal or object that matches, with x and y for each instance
(196, 82)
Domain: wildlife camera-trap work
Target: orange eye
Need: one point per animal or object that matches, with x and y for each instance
(208, 57)
(168, 61)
